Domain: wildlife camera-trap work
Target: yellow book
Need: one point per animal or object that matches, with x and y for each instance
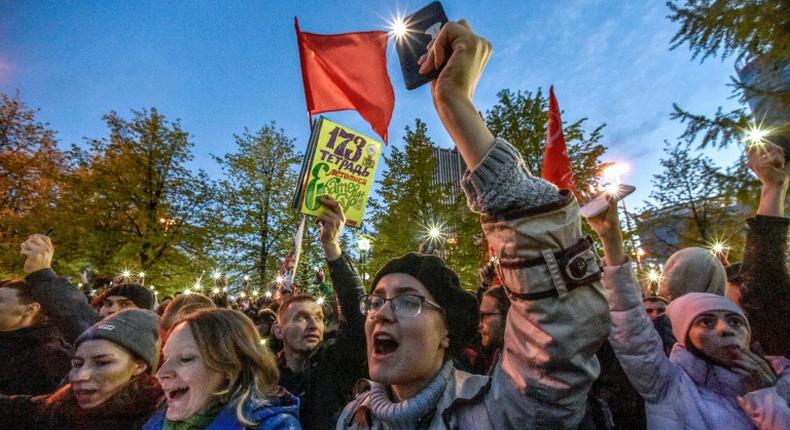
(341, 163)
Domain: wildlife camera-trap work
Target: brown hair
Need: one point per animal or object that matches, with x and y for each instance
(500, 296)
(229, 343)
(289, 301)
(179, 308)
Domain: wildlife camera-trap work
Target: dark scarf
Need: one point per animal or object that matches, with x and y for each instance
(129, 408)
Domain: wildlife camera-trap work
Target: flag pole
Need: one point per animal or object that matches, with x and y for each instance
(297, 248)
(308, 95)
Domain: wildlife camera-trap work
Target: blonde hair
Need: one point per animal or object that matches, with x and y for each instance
(229, 343)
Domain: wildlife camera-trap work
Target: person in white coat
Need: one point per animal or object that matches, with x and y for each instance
(711, 380)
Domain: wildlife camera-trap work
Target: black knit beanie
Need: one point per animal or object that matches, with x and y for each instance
(142, 297)
(460, 307)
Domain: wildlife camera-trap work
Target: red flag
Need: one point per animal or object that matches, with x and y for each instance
(347, 71)
(556, 163)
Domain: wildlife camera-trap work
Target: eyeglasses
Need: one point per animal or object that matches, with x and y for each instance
(405, 305)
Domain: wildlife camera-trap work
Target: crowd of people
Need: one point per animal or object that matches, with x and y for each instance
(555, 338)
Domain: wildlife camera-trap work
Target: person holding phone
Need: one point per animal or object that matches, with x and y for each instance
(417, 315)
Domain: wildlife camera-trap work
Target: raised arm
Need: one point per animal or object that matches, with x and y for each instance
(765, 284)
(555, 324)
(346, 281)
(65, 306)
(636, 343)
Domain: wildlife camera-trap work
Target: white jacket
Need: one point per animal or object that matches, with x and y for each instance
(683, 391)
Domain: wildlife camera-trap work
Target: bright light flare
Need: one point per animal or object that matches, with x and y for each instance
(126, 274)
(280, 279)
(197, 286)
(246, 277)
(215, 291)
(398, 27)
(363, 243)
(615, 172)
(268, 294)
(612, 190)
(254, 293)
(141, 275)
(242, 294)
(320, 301)
(187, 292)
(653, 276)
(434, 232)
(757, 134)
(216, 274)
(718, 247)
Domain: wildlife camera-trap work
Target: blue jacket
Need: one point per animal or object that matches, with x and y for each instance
(279, 413)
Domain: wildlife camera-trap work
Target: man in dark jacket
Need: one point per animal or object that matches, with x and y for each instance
(65, 306)
(323, 373)
(33, 355)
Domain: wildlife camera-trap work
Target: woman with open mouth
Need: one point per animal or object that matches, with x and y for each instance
(418, 318)
(111, 385)
(217, 375)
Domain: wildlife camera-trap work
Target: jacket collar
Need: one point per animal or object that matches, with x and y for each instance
(255, 409)
(706, 374)
(461, 388)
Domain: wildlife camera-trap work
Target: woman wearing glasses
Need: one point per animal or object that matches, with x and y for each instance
(418, 316)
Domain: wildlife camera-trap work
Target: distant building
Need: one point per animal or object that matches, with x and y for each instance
(666, 230)
(450, 168)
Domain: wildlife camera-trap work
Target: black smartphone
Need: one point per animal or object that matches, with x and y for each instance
(421, 27)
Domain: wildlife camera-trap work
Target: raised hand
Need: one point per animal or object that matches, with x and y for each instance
(331, 222)
(767, 161)
(607, 225)
(464, 56)
(38, 251)
(756, 372)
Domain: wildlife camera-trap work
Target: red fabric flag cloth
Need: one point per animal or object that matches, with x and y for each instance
(347, 71)
(556, 163)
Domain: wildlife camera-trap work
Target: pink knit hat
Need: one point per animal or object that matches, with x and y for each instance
(684, 309)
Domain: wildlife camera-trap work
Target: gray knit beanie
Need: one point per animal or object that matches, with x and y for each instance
(460, 307)
(692, 270)
(137, 330)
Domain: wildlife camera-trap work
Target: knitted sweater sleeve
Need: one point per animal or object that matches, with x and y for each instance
(548, 363)
(502, 182)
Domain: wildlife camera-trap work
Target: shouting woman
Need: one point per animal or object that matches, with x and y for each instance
(217, 375)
